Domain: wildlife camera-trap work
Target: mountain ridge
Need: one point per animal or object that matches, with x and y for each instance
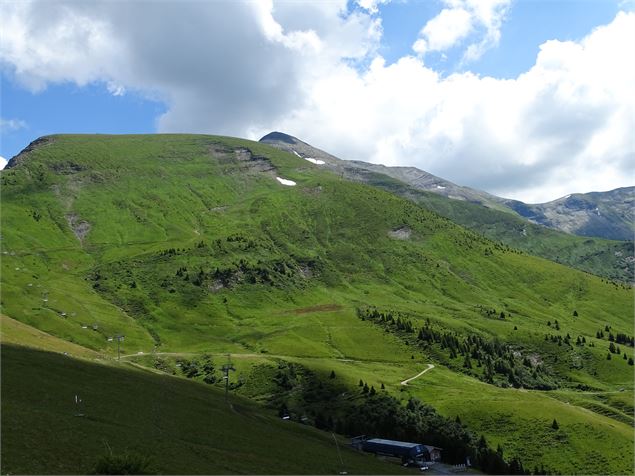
(584, 214)
(608, 258)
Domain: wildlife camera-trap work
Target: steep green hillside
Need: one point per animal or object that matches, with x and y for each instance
(606, 214)
(189, 244)
(605, 258)
(176, 427)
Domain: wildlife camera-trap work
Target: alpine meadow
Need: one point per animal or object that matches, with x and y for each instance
(199, 304)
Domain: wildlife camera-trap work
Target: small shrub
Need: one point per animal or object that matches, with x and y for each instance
(127, 463)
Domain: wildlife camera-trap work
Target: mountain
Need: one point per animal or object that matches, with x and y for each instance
(605, 214)
(332, 297)
(489, 215)
(597, 214)
(357, 170)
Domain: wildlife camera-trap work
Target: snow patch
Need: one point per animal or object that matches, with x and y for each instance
(290, 183)
(441, 187)
(310, 159)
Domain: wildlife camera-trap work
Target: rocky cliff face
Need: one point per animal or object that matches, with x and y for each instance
(604, 214)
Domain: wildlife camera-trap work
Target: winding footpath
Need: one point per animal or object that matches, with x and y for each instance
(237, 355)
(405, 382)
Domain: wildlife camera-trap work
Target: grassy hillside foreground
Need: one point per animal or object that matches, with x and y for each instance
(180, 427)
(188, 245)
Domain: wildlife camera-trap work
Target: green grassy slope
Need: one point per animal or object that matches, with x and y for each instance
(17, 333)
(194, 247)
(586, 442)
(606, 258)
(181, 427)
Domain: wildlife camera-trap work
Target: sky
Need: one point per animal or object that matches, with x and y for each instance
(526, 99)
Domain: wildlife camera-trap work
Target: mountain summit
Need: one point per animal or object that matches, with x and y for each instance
(274, 137)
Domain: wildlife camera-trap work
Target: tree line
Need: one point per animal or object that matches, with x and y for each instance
(489, 360)
(303, 395)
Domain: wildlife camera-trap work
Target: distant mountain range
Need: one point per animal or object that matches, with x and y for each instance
(596, 214)
(603, 214)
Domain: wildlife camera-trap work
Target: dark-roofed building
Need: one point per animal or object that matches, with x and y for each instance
(407, 451)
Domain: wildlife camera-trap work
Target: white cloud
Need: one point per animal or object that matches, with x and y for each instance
(273, 31)
(453, 25)
(246, 68)
(446, 29)
(3, 162)
(57, 42)
(562, 126)
(372, 5)
(7, 125)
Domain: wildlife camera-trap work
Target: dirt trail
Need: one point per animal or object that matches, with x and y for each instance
(405, 382)
(247, 356)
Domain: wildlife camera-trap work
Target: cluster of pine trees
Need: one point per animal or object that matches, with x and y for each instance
(171, 252)
(303, 395)
(390, 318)
(491, 312)
(499, 362)
(619, 338)
(273, 273)
(487, 359)
(198, 367)
(566, 340)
